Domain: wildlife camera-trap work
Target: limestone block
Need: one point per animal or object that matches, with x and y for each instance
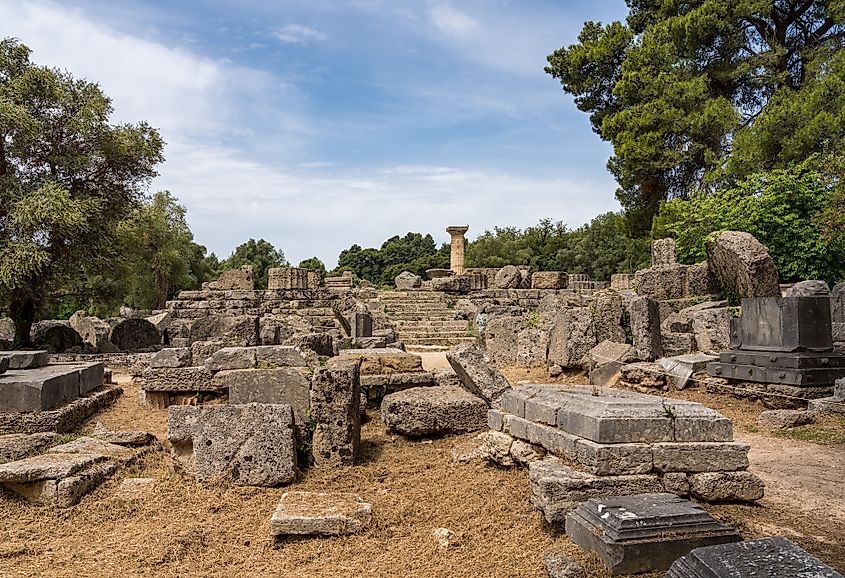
(680, 369)
(46, 466)
(607, 318)
(231, 358)
(676, 483)
(16, 446)
(172, 357)
(252, 444)
(202, 350)
(384, 361)
(44, 388)
(26, 359)
(177, 379)
(286, 386)
(663, 252)
(232, 330)
(700, 280)
(397, 381)
(612, 459)
(477, 372)
(501, 338)
(559, 565)
(809, 288)
(508, 277)
(96, 447)
(549, 280)
(742, 265)
(335, 401)
(644, 374)
(135, 334)
(532, 347)
(241, 279)
(837, 303)
(451, 284)
(726, 486)
(681, 321)
(556, 488)
(785, 418)
(645, 327)
(433, 410)
(495, 419)
(407, 280)
(676, 344)
(320, 513)
(662, 282)
(496, 447)
(712, 330)
(122, 438)
(700, 456)
(571, 338)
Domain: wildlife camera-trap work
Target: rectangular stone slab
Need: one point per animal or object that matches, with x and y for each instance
(320, 513)
(779, 375)
(26, 359)
(642, 533)
(47, 387)
(774, 557)
(46, 466)
(793, 359)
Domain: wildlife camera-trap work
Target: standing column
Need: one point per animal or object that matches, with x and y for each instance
(458, 242)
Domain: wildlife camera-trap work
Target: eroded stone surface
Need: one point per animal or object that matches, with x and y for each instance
(433, 410)
(477, 372)
(320, 513)
(46, 466)
(335, 407)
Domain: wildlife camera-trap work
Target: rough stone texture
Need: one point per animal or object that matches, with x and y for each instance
(320, 513)
(234, 279)
(700, 280)
(680, 369)
(477, 372)
(549, 280)
(288, 386)
(172, 357)
(607, 314)
(135, 334)
(663, 252)
(56, 337)
(645, 328)
(122, 438)
(606, 359)
(433, 410)
(712, 330)
(335, 407)
(645, 532)
(742, 265)
(232, 330)
(407, 280)
(700, 456)
(202, 350)
(532, 347)
(46, 466)
(726, 486)
(17, 446)
(572, 337)
(94, 331)
(384, 361)
(380, 384)
(675, 344)
(785, 418)
(319, 343)
(95, 447)
(809, 288)
(177, 379)
(508, 277)
(774, 557)
(446, 376)
(64, 419)
(837, 303)
(26, 359)
(4, 365)
(7, 333)
(559, 565)
(252, 444)
(681, 321)
(643, 374)
(662, 282)
(501, 338)
(556, 488)
(452, 284)
(676, 483)
(231, 358)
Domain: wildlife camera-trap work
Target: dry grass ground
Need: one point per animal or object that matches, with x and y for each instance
(180, 529)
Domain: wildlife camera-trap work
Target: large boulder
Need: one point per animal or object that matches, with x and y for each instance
(235, 330)
(742, 265)
(810, 288)
(56, 337)
(433, 410)
(135, 334)
(407, 280)
(508, 277)
(477, 372)
(7, 334)
(94, 331)
(712, 330)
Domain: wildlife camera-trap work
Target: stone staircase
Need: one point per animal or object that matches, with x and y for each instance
(424, 321)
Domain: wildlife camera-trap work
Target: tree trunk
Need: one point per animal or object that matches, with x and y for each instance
(22, 310)
(163, 286)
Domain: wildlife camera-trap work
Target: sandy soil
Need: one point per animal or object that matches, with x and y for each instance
(180, 529)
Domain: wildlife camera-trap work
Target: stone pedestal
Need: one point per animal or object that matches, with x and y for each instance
(458, 244)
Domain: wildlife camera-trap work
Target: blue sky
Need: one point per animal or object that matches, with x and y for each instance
(324, 123)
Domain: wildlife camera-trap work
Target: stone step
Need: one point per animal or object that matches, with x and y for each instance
(426, 325)
(427, 348)
(403, 335)
(449, 341)
(415, 308)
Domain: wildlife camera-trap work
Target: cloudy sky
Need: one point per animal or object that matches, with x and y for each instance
(321, 123)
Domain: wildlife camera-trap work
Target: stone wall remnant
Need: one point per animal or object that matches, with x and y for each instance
(742, 265)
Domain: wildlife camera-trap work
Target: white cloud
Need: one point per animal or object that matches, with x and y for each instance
(452, 21)
(298, 34)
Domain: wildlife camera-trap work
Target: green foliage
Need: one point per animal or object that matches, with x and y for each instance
(599, 248)
(414, 252)
(696, 94)
(261, 254)
(67, 178)
(789, 210)
(313, 263)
